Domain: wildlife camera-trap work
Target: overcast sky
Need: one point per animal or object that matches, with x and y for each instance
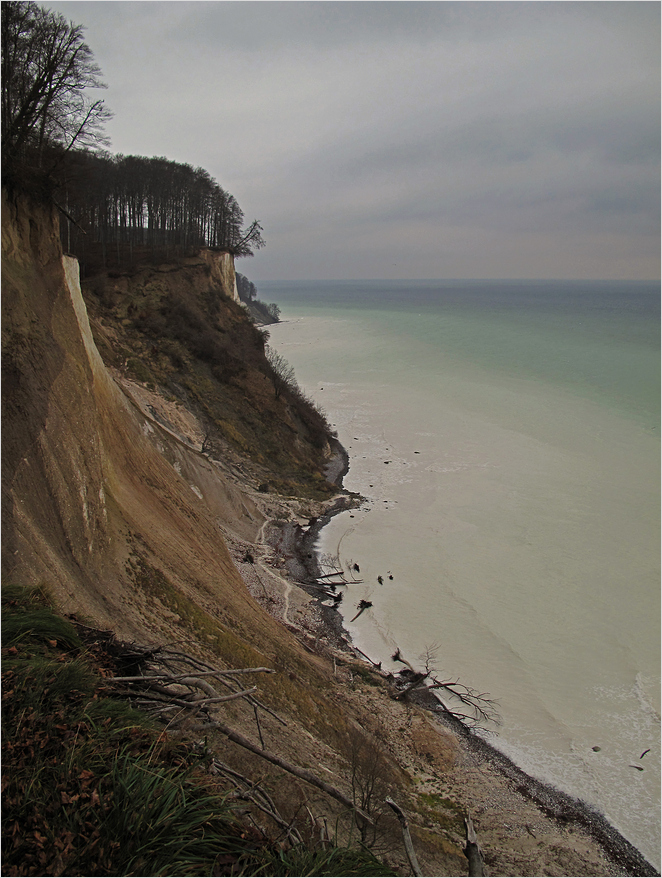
(403, 139)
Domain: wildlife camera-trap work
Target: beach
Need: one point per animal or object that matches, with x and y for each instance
(527, 510)
(525, 827)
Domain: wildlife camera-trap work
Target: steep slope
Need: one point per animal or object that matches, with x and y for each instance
(120, 519)
(177, 327)
(109, 501)
(83, 484)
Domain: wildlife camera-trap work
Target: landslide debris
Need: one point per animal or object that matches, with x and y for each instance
(173, 327)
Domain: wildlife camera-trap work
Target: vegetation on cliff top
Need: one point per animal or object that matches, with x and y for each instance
(124, 210)
(118, 209)
(121, 214)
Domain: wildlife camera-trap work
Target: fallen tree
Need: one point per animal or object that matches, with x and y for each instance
(168, 684)
(473, 709)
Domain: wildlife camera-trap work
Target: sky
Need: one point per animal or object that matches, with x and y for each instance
(403, 139)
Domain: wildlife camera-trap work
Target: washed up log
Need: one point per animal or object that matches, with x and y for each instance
(362, 606)
(416, 681)
(376, 665)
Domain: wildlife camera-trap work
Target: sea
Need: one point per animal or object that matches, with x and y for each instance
(505, 437)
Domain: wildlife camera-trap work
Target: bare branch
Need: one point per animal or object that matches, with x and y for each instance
(301, 773)
(406, 836)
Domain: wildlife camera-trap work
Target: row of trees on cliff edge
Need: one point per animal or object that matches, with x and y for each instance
(122, 209)
(119, 209)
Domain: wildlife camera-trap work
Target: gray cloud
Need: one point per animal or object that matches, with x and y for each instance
(477, 139)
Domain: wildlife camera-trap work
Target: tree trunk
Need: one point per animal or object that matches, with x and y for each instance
(472, 851)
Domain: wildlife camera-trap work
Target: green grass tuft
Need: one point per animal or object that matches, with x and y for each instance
(332, 861)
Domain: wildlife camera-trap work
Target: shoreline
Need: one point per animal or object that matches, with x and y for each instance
(564, 809)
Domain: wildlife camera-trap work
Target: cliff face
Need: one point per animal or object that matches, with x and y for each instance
(110, 504)
(178, 328)
(54, 509)
(108, 501)
(91, 483)
(221, 267)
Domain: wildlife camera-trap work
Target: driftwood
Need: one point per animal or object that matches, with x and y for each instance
(376, 665)
(361, 607)
(406, 836)
(477, 710)
(415, 682)
(472, 850)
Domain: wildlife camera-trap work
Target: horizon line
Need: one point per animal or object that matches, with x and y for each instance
(456, 279)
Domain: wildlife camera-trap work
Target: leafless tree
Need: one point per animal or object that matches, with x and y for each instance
(47, 70)
(369, 788)
(474, 709)
(251, 239)
(282, 373)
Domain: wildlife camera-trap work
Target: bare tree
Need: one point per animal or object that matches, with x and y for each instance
(251, 239)
(282, 373)
(474, 709)
(369, 789)
(46, 71)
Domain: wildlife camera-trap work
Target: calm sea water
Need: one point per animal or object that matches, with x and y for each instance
(505, 436)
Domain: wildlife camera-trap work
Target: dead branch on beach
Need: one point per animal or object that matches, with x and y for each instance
(483, 710)
(361, 607)
(335, 572)
(474, 709)
(331, 567)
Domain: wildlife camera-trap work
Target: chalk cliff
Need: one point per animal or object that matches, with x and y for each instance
(222, 269)
(88, 477)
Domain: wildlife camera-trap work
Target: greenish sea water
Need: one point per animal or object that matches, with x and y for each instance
(506, 437)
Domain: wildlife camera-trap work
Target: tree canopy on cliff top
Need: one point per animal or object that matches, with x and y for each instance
(134, 207)
(52, 135)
